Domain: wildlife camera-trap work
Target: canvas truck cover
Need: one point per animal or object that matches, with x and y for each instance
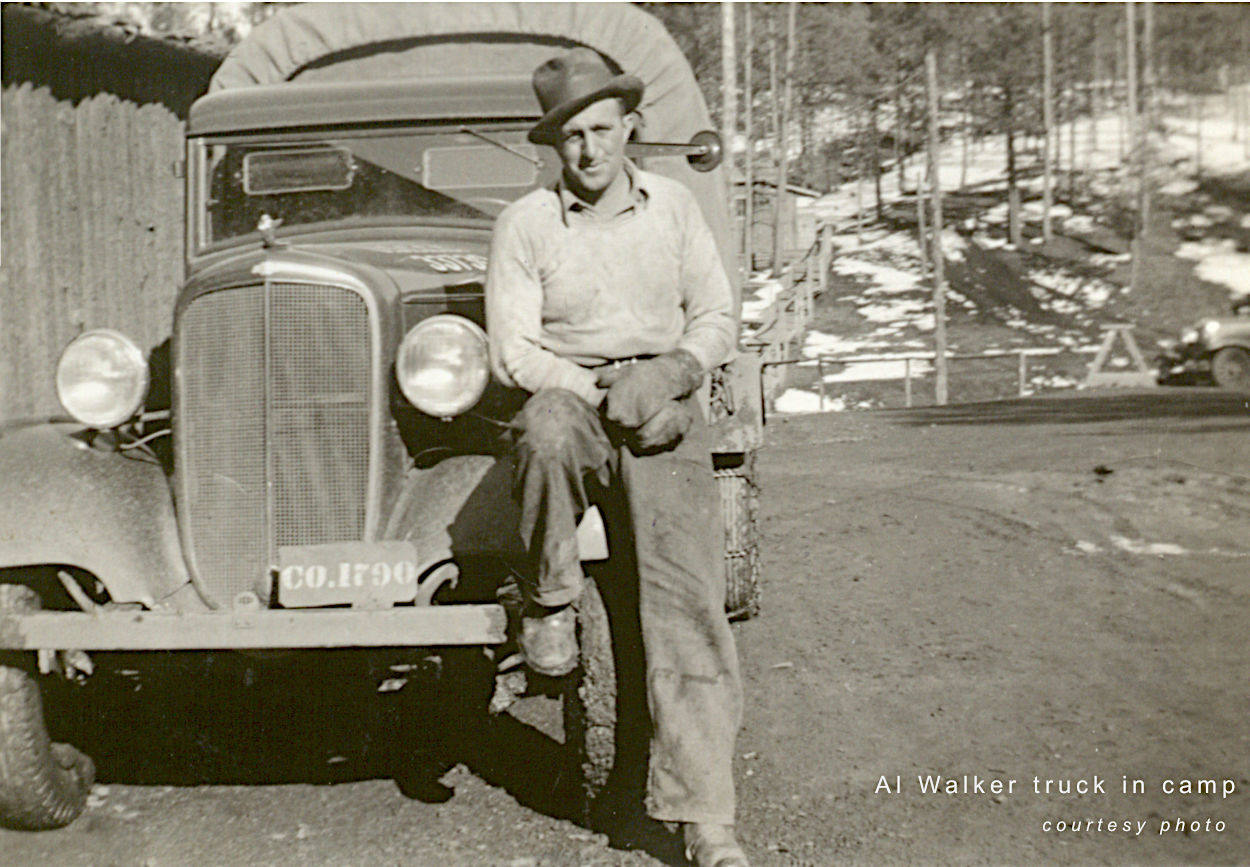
(361, 42)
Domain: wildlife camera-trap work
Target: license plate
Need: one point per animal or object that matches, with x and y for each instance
(361, 574)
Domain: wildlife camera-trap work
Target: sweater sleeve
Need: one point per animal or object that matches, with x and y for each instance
(514, 304)
(711, 330)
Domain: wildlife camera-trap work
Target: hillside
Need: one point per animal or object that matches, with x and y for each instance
(1055, 295)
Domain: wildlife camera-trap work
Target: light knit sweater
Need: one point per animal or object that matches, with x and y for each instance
(569, 288)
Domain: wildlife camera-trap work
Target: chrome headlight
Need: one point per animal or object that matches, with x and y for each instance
(101, 378)
(1210, 328)
(1189, 335)
(443, 365)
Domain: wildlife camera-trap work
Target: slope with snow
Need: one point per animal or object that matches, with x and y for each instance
(880, 302)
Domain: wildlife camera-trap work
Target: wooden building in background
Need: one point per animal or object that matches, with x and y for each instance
(798, 229)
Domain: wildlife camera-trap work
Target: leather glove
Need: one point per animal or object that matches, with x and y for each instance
(666, 427)
(637, 392)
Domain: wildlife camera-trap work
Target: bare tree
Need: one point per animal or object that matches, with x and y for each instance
(783, 135)
(1130, 54)
(729, 85)
(748, 168)
(1095, 92)
(775, 98)
(965, 97)
(939, 268)
(1048, 115)
(1147, 154)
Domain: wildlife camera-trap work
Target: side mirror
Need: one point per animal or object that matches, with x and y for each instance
(704, 152)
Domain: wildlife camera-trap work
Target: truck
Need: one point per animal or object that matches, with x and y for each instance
(315, 462)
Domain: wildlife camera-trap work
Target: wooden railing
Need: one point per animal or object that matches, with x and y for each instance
(1022, 366)
(804, 276)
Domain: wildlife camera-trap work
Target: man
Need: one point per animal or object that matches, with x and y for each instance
(607, 301)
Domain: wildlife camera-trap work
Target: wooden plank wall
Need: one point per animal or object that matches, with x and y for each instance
(90, 232)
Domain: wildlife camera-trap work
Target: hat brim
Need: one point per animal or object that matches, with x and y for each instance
(627, 87)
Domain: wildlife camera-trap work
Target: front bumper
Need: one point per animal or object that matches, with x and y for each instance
(1174, 354)
(254, 630)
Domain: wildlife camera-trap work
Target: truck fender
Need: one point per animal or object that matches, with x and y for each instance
(63, 501)
(463, 506)
(1223, 342)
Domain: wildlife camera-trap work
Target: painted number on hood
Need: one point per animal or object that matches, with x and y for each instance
(446, 263)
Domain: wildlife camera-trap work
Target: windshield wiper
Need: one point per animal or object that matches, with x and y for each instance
(516, 153)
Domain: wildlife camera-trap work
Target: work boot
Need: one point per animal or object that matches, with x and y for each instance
(548, 639)
(709, 845)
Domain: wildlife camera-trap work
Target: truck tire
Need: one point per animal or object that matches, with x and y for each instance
(739, 496)
(43, 785)
(607, 728)
(589, 698)
(1230, 368)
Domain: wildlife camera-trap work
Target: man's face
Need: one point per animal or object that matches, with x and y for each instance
(591, 145)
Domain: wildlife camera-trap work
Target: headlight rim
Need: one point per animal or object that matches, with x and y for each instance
(133, 354)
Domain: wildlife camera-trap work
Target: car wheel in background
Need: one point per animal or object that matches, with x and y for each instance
(1230, 367)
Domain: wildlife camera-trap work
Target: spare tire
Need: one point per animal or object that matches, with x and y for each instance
(739, 498)
(42, 785)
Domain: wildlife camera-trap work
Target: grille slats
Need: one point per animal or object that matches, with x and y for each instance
(307, 434)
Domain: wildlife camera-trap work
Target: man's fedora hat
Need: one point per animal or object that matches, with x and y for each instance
(569, 82)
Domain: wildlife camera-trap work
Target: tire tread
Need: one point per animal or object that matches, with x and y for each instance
(36, 791)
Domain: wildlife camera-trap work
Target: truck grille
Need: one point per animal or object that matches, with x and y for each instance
(273, 417)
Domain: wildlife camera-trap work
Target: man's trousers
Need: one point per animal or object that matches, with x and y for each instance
(564, 457)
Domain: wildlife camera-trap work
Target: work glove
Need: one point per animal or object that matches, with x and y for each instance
(666, 428)
(638, 391)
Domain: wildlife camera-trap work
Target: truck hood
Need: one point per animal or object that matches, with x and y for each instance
(424, 262)
(416, 265)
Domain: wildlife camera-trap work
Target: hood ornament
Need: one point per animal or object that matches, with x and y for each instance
(268, 226)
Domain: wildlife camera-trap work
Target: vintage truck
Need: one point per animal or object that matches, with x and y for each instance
(313, 461)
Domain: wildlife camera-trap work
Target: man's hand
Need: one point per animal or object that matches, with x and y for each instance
(639, 391)
(666, 427)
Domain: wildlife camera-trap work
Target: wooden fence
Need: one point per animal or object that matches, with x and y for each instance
(783, 325)
(90, 232)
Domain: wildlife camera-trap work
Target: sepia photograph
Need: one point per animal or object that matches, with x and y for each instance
(529, 434)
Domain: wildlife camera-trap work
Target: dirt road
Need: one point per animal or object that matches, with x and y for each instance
(1054, 589)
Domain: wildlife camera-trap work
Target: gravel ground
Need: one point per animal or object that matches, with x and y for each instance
(1051, 588)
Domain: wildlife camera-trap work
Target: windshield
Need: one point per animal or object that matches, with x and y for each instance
(454, 174)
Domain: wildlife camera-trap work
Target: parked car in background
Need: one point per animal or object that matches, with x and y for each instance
(1220, 345)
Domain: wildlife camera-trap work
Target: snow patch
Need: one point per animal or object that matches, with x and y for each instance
(985, 242)
(953, 246)
(1085, 292)
(795, 401)
(894, 312)
(878, 370)
(1079, 223)
(766, 293)
(1157, 549)
(818, 343)
(1179, 187)
(884, 278)
(1219, 262)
